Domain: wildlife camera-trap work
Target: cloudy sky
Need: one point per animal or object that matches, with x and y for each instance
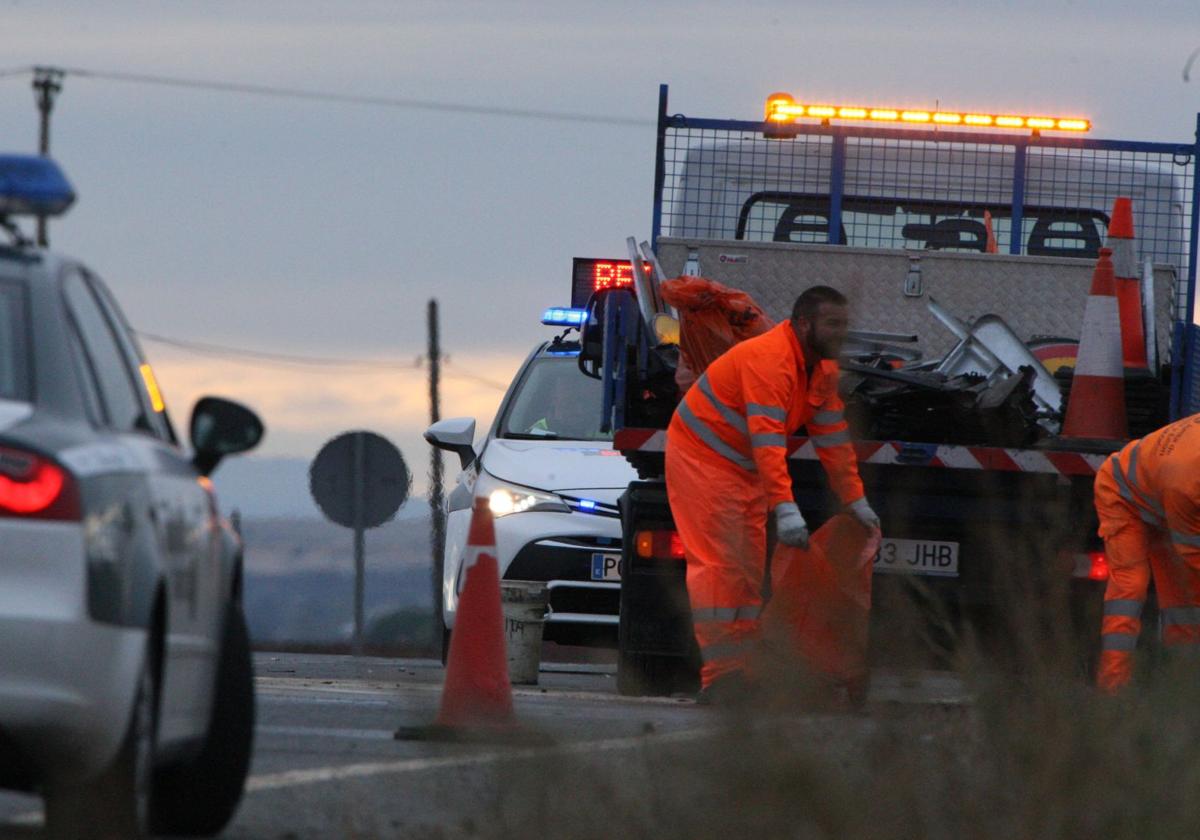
(303, 227)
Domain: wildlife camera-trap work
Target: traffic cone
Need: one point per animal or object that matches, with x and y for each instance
(990, 242)
(1096, 405)
(477, 691)
(1129, 284)
(477, 699)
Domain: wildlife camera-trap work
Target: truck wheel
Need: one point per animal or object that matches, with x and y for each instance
(115, 806)
(198, 798)
(648, 675)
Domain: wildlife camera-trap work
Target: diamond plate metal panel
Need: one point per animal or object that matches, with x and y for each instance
(1037, 296)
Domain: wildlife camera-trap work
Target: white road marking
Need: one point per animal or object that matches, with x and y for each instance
(279, 698)
(350, 688)
(328, 732)
(373, 689)
(293, 778)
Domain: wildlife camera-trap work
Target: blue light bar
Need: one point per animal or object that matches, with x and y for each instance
(31, 185)
(587, 504)
(559, 316)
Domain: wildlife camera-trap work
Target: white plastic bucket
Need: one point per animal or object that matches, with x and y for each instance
(524, 604)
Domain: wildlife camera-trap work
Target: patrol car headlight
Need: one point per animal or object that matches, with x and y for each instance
(504, 498)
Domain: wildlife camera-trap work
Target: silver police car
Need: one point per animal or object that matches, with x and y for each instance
(126, 688)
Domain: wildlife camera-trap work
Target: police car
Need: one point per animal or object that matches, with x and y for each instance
(552, 480)
(126, 689)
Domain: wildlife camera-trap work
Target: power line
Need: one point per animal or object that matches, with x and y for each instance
(264, 356)
(472, 377)
(290, 360)
(352, 99)
(16, 71)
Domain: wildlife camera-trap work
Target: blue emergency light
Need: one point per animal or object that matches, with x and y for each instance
(31, 185)
(559, 316)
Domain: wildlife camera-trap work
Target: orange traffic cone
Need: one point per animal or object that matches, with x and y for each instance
(476, 695)
(1129, 286)
(990, 243)
(477, 691)
(1096, 405)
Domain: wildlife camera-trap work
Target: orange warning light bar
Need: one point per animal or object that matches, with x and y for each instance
(783, 108)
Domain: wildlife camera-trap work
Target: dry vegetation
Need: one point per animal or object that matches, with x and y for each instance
(1037, 753)
(1034, 756)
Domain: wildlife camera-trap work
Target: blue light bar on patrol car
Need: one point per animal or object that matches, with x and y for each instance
(31, 185)
(560, 316)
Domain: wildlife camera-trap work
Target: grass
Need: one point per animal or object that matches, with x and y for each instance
(1031, 758)
(1038, 754)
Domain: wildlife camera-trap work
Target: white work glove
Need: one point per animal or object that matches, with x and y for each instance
(790, 525)
(866, 517)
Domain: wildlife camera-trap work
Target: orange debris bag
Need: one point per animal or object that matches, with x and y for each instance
(821, 599)
(712, 318)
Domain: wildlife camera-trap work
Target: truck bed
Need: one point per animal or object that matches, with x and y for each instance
(1019, 520)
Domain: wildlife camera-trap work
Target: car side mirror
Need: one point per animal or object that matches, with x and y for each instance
(455, 434)
(221, 427)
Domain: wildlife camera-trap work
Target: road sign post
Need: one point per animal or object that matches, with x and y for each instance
(359, 481)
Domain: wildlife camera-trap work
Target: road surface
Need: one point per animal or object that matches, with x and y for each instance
(327, 764)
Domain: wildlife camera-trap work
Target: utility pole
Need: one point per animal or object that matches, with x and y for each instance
(47, 83)
(437, 536)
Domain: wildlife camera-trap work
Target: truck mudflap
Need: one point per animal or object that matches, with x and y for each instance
(657, 652)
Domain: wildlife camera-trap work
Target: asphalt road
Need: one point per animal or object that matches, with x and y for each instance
(326, 763)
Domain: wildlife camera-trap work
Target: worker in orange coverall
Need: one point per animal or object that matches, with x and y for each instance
(1148, 501)
(726, 469)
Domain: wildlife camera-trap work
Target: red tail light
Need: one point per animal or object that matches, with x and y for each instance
(661, 544)
(1092, 565)
(35, 487)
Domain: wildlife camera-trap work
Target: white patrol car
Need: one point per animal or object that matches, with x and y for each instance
(552, 480)
(126, 687)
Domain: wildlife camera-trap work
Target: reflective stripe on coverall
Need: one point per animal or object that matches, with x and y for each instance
(727, 468)
(1148, 502)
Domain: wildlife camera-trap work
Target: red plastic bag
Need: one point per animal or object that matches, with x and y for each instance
(821, 598)
(712, 318)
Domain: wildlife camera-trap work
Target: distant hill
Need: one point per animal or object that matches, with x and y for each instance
(299, 585)
(273, 488)
(284, 545)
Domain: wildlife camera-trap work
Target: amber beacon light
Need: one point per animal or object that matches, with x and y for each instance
(783, 108)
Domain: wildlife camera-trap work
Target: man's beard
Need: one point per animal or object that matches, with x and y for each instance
(827, 349)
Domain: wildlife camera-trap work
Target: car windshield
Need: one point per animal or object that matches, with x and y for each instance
(14, 359)
(554, 400)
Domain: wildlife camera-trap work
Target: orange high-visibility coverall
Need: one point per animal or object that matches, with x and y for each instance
(727, 468)
(1148, 501)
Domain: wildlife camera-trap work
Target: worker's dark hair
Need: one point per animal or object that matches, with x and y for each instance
(810, 301)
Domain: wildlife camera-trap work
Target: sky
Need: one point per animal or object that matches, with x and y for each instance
(288, 226)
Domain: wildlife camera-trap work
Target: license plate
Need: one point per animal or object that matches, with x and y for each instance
(606, 566)
(917, 557)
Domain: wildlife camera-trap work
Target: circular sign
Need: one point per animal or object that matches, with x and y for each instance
(359, 480)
